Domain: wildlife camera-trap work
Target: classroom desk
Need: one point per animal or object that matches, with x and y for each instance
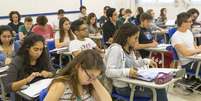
(62, 51)
(95, 36)
(26, 96)
(160, 49)
(3, 93)
(151, 85)
(196, 58)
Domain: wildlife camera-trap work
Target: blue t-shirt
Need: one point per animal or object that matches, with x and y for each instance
(145, 37)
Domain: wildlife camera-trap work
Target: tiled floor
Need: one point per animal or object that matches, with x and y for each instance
(177, 94)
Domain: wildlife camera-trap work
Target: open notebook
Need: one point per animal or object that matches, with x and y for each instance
(151, 73)
(34, 89)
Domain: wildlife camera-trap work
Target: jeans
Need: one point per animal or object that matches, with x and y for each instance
(189, 65)
(139, 91)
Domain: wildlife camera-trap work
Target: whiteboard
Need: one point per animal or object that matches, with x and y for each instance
(31, 7)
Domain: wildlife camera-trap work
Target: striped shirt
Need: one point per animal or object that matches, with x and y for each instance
(67, 96)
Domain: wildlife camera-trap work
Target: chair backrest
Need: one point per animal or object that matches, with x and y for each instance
(50, 44)
(171, 32)
(43, 93)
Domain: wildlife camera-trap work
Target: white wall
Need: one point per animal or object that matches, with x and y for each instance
(92, 6)
(97, 7)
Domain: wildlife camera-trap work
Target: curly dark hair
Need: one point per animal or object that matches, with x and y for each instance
(14, 12)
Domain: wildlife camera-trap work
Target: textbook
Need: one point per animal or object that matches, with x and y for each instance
(34, 89)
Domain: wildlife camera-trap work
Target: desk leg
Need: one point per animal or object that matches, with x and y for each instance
(163, 59)
(150, 54)
(197, 70)
(2, 90)
(132, 93)
(154, 94)
(60, 60)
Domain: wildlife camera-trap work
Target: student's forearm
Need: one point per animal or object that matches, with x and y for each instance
(141, 46)
(100, 92)
(18, 84)
(192, 52)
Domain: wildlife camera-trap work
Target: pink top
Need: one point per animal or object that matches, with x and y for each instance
(47, 31)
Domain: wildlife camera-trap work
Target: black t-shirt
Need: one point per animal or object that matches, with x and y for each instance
(15, 27)
(108, 30)
(145, 37)
(19, 71)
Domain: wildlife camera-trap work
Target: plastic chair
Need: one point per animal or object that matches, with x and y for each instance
(50, 44)
(171, 31)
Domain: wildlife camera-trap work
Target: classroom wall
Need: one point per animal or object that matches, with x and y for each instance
(97, 7)
(92, 6)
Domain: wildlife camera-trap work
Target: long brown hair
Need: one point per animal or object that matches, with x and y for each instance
(90, 16)
(62, 32)
(162, 14)
(89, 60)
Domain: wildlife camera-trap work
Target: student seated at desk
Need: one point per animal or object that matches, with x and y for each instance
(60, 14)
(15, 18)
(121, 62)
(82, 42)
(83, 12)
(146, 39)
(139, 11)
(162, 19)
(194, 13)
(126, 18)
(183, 41)
(78, 80)
(92, 24)
(42, 28)
(64, 35)
(110, 26)
(8, 47)
(25, 29)
(154, 27)
(30, 64)
(103, 18)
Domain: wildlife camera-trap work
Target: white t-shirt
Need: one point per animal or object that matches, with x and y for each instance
(186, 39)
(77, 45)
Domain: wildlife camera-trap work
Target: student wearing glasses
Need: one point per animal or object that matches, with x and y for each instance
(78, 80)
(183, 41)
(82, 42)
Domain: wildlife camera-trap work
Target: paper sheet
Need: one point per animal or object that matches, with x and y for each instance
(34, 89)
